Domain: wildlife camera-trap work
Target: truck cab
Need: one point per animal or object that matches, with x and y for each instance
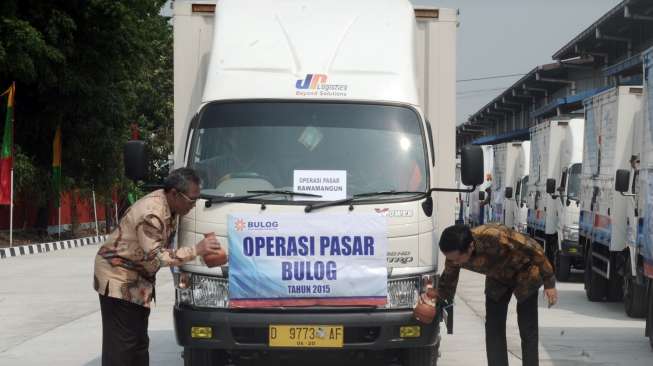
(611, 119)
(556, 151)
(298, 111)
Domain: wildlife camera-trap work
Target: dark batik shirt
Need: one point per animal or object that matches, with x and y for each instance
(511, 261)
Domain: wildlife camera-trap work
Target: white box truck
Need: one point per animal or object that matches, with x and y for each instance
(479, 209)
(510, 163)
(554, 178)
(321, 130)
(636, 182)
(610, 120)
(516, 209)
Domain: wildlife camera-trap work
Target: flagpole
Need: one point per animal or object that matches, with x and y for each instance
(11, 211)
(97, 230)
(59, 218)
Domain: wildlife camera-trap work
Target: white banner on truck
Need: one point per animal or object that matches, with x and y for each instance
(304, 260)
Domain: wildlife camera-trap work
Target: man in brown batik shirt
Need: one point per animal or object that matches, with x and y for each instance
(513, 264)
(127, 263)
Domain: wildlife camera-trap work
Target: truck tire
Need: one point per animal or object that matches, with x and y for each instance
(596, 287)
(421, 356)
(562, 266)
(634, 296)
(204, 357)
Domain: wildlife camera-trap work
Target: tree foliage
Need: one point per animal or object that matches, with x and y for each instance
(94, 67)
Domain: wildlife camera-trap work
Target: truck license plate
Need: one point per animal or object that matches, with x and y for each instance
(307, 336)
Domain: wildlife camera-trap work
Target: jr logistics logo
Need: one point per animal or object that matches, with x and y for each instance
(311, 81)
(316, 85)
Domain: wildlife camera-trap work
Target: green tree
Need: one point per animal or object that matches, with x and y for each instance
(94, 67)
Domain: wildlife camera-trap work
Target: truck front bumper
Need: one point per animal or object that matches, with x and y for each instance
(248, 330)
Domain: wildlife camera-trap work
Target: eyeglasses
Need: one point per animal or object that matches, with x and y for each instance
(192, 201)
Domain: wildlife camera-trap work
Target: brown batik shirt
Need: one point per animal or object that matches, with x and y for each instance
(511, 261)
(127, 263)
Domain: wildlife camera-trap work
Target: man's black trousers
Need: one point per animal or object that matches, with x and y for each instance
(124, 333)
(495, 330)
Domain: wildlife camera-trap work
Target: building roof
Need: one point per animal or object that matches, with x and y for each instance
(616, 33)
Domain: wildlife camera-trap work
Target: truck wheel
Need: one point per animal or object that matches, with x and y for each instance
(421, 356)
(204, 357)
(562, 266)
(595, 285)
(634, 296)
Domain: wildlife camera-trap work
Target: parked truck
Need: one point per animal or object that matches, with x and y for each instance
(553, 185)
(510, 166)
(320, 150)
(636, 182)
(611, 120)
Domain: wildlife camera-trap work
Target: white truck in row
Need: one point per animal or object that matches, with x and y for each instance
(613, 130)
(635, 184)
(553, 190)
(305, 115)
(511, 166)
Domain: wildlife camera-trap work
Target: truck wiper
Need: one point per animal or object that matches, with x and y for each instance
(353, 198)
(286, 192)
(211, 199)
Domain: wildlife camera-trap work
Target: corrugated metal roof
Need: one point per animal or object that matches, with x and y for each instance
(568, 100)
(516, 135)
(590, 31)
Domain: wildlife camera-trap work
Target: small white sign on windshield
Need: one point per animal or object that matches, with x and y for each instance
(330, 184)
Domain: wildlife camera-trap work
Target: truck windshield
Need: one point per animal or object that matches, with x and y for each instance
(573, 185)
(356, 148)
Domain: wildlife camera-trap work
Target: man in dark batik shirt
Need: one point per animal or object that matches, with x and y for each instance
(513, 263)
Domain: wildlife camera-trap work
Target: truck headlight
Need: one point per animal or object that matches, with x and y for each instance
(403, 293)
(570, 233)
(202, 291)
(210, 292)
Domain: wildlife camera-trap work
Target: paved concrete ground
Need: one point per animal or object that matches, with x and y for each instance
(50, 316)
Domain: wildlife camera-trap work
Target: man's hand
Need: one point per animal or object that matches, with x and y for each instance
(551, 295)
(208, 245)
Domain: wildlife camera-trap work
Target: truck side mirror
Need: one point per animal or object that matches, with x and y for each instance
(136, 160)
(621, 180)
(471, 165)
(508, 192)
(481, 196)
(550, 186)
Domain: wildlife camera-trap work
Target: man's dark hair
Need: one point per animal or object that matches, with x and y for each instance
(180, 179)
(456, 237)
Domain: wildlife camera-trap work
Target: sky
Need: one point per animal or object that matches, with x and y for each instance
(503, 37)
